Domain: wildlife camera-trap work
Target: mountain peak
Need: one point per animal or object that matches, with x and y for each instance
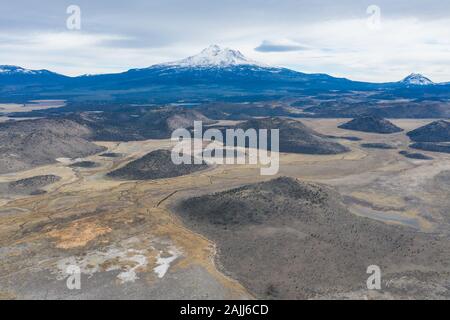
(9, 69)
(215, 56)
(417, 79)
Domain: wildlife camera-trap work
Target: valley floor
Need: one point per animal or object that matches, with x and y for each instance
(130, 245)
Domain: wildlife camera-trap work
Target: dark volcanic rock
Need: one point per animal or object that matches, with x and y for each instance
(155, 165)
(377, 146)
(349, 138)
(371, 124)
(437, 131)
(139, 124)
(242, 111)
(37, 192)
(414, 155)
(111, 155)
(295, 137)
(31, 186)
(287, 239)
(431, 146)
(30, 143)
(84, 164)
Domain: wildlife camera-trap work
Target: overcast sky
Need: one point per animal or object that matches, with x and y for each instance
(319, 36)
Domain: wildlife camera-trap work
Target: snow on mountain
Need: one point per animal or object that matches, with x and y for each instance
(11, 70)
(215, 56)
(417, 79)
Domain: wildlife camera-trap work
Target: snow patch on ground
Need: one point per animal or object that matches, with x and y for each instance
(129, 262)
(164, 263)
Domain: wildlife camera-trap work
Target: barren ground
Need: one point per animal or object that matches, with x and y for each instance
(130, 245)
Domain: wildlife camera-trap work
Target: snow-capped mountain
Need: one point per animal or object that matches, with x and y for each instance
(417, 79)
(18, 76)
(214, 73)
(11, 70)
(215, 56)
(219, 67)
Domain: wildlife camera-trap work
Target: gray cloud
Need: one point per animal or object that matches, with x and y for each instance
(270, 46)
(116, 36)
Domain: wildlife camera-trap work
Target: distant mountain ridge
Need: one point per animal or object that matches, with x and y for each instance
(7, 69)
(213, 73)
(417, 80)
(213, 56)
(18, 76)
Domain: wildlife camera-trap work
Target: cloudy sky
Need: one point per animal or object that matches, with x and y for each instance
(376, 40)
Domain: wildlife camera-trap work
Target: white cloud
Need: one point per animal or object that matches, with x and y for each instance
(349, 48)
(299, 35)
(72, 53)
